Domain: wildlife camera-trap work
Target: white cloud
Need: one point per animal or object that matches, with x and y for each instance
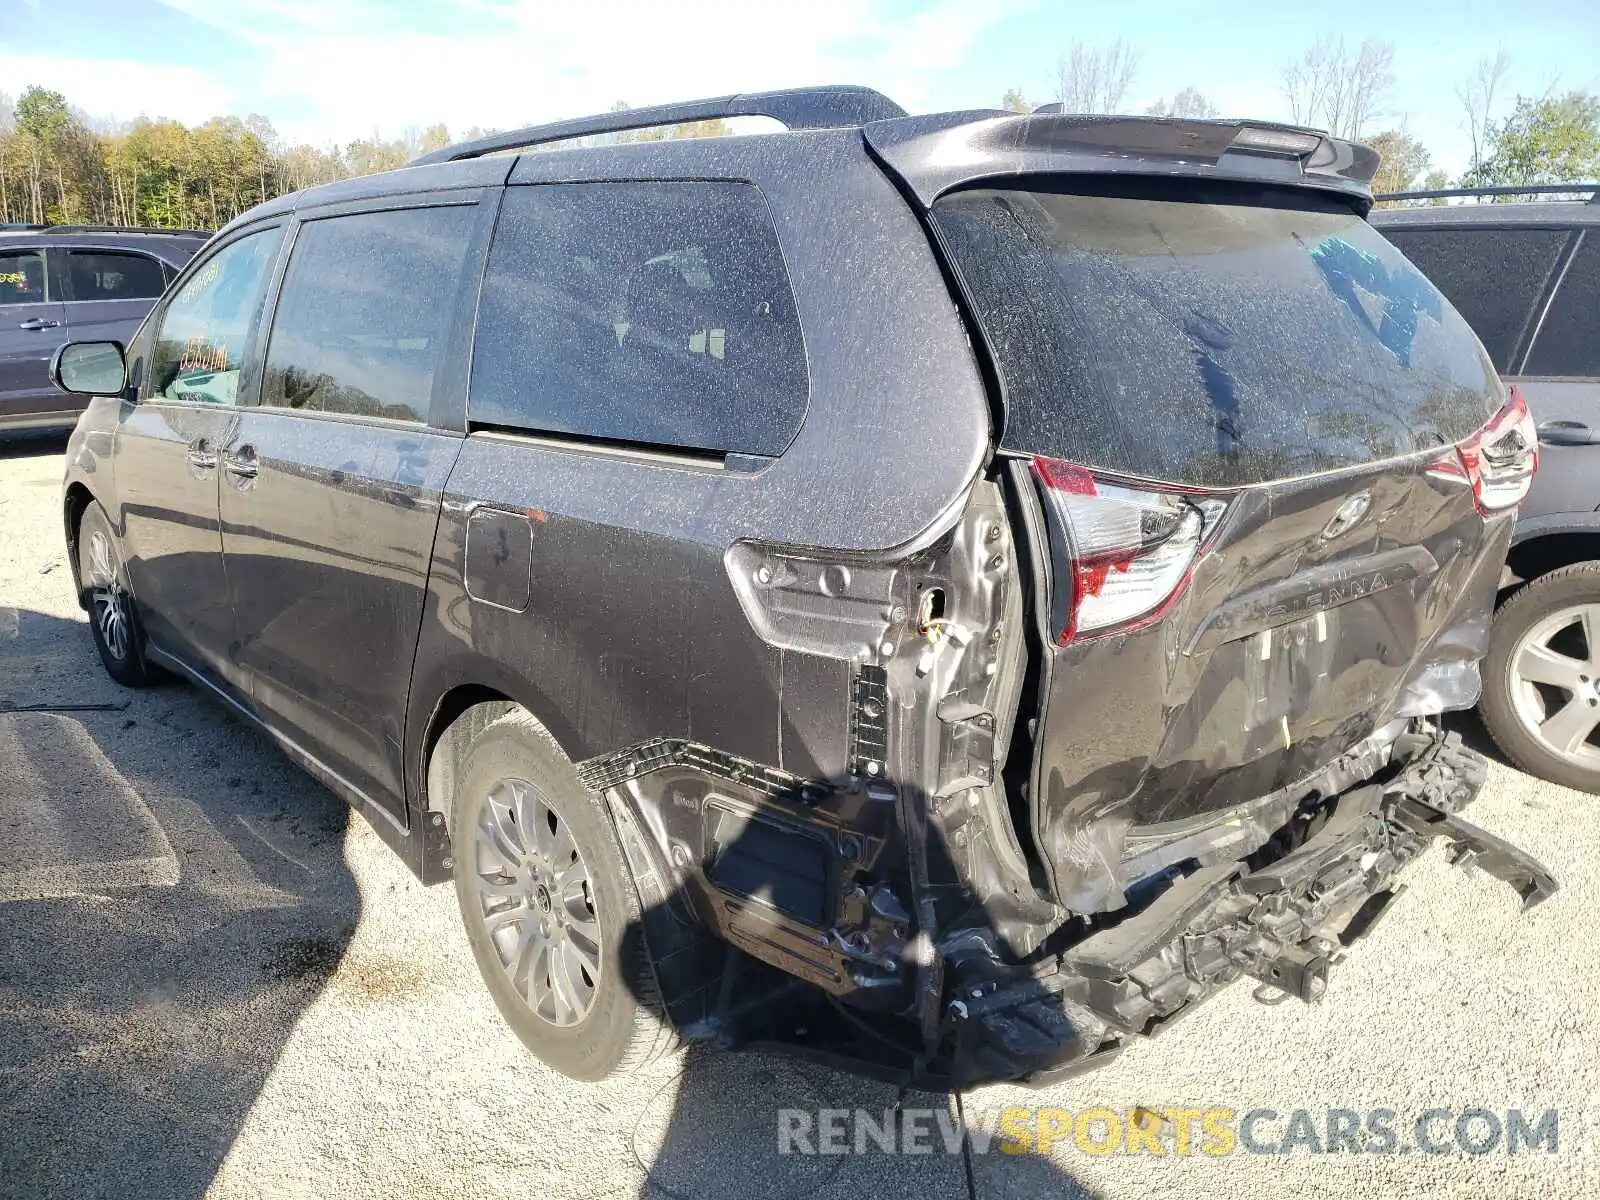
(121, 89)
(361, 66)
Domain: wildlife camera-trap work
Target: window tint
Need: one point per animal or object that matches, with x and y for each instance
(1569, 339)
(1233, 338)
(657, 313)
(207, 324)
(21, 277)
(107, 275)
(365, 310)
(1494, 277)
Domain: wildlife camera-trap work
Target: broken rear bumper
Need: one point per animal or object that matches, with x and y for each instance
(1283, 922)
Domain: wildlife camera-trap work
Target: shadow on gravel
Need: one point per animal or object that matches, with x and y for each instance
(173, 894)
(751, 1120)
(720, 1136)
(1470, 726)
(31, 444)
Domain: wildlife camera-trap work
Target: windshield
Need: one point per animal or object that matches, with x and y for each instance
(1228, 339)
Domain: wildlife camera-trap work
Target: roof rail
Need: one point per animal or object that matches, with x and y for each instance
(1553, 189)
(797, 108)
(25, 228)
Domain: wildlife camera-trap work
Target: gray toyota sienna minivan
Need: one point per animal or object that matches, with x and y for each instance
(951, 591)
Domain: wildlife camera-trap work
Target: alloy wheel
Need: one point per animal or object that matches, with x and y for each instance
(1555, 683)
(108, 598)
(536, 902)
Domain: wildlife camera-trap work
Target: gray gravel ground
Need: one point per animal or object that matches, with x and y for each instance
(214, 981)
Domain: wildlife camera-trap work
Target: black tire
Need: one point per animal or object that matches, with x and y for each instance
(624, 1026)
(113, 616)
(1521, 616)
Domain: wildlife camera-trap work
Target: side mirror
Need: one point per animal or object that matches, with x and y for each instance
(90, 369)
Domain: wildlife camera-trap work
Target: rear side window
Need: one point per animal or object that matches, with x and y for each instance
(1569, 340)
(21, 277)
(1494, 277)
(654, 313)
(108, 275)
(365, 311)
(1230, 339)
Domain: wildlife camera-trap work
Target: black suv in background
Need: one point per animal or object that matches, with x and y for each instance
(1526, 276)
(64, 283)
(984, 580)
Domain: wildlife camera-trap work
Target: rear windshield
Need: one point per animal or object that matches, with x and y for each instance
(1225, 339)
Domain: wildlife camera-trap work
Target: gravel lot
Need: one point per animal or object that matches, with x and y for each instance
(215, 981)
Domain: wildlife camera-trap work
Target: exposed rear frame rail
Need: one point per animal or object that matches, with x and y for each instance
(796, 108)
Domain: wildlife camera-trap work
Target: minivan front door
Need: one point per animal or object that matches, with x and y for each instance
(330, 494)
(109, 291)
(167, 454)
(32, 325)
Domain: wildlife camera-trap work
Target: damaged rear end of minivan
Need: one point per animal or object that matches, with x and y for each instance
(1159, 710)
(1172, 717)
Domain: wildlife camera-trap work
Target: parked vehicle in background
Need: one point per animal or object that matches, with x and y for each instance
(992, 649)
(63, 283)
(1526, 276)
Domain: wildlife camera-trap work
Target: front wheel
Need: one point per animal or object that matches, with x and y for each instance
(1541, 697)
(113, 620)
(551, 913)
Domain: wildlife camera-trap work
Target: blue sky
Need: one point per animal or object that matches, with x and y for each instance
(332, 70)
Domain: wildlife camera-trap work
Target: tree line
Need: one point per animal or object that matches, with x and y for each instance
(60, 166)
(1348, 90)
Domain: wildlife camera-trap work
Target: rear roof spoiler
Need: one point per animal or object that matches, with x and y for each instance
(938, 153)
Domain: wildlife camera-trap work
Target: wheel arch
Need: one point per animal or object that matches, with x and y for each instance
(1540, 553)
(455, 711)
(75, 502)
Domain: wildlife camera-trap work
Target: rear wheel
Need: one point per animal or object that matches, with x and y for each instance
(113, 619)
(551, 913)
(1541, 699)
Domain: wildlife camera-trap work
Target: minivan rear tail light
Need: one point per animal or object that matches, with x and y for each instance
(1122, 554)
(1499, 460)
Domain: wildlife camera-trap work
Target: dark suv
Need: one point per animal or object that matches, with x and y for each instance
(953, 591)
(62, 283)
(1526, 276)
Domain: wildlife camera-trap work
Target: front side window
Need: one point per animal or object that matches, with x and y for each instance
(365, 311)
(648, 313)
(110, 275)
(21, 277)
(206, 327)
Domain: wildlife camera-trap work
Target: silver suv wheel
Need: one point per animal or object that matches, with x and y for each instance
(537, 902)
(1555, 682)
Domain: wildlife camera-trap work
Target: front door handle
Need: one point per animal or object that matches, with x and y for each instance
(1567, 433)
(242, 464)
(201, 456)
(39, 323)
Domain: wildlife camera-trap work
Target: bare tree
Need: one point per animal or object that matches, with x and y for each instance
(1094, 79)
(1476, 93)
(1339, 88)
